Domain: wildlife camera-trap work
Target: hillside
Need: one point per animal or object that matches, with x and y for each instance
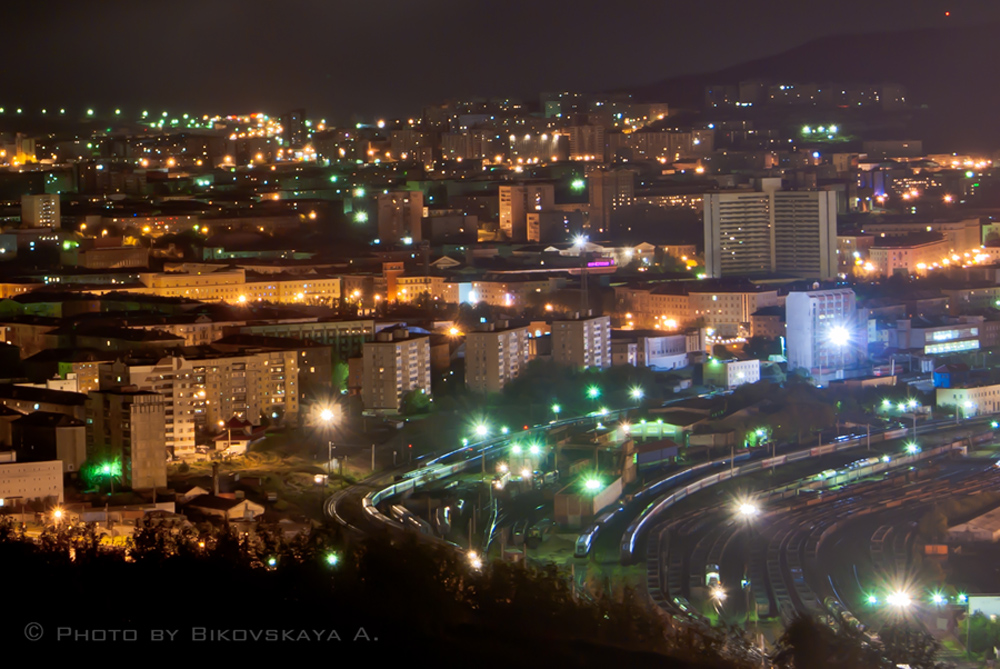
(951, 71)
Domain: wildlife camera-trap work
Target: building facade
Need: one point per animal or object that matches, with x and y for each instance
(495, 356)
(771, 231)
(395, 364)
(582, 342)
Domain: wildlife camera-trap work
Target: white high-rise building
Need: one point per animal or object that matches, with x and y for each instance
(824, 335)
(768, 231)
(40, 211)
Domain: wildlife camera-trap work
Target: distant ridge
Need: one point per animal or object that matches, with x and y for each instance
(954, 71)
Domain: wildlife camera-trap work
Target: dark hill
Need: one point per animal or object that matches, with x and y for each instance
(953, 71)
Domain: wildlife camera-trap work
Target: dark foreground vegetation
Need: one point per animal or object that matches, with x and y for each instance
(256, 596)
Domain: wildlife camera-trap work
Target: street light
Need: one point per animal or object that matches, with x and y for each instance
(748, 510)
(592, 485)
(482, 430)
(840, 337)
(327, 416)
(899, 600)
(593, 392)
(556, 409)
(636, 393)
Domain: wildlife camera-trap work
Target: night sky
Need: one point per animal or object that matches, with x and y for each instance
(389, 57)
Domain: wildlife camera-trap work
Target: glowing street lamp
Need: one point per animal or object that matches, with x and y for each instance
(636, 393)
(748, 510)
(482, 430)
(718, 595)
(912, 448)
(516, 449)
(593, 392)
(332, 559)
(592, 485)
(937, 598)
(899, 600)
(534, 449)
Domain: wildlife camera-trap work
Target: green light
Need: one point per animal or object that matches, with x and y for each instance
(806, 130)
(578, 184)
(963, 598)
(361, 217)
(873, 600)
(482, 430)
(636, 393)
(333, 179)
(886, 403)
(515, 449)
(969, 174)
(90, 112)
(504, 430)
(534, 450)
(272, 561)
(359, 192)
(118, 112)
(937, 598)
(556, 408)
(593, 392)
(592, 485)
(332, 559)
(145, 114)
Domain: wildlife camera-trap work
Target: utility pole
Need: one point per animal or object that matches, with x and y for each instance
(373, 458)
(870, 437)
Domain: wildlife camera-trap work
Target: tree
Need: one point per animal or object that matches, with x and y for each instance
(416, 401)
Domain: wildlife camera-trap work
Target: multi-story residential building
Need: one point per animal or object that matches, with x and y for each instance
(399, 216)
(824, 334)
(516, 201)
(609, 191)
(513, 290)
(495, 355)
(345, 337)
(911, 254)
(202, 391)
(40, 211)
(793, 232)
(30, 481)
(233, 286)
(395, 364)
(728, 308)
(584, 341)
(182, 388)
(128, 425)
(960, 236)
(970, 401)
